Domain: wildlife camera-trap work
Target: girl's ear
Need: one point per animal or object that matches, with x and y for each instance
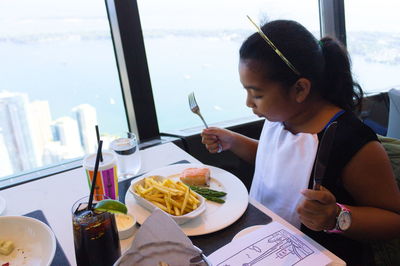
(302, 89)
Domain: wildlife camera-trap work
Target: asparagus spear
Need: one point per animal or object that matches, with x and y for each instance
(215, 199)
(209, 194)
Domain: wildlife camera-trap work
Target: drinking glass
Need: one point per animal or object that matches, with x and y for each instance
(96, 238)
(126, 149)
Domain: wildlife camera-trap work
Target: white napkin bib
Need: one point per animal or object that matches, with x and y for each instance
(283, 168)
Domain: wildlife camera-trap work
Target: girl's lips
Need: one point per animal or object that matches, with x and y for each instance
(257, 114)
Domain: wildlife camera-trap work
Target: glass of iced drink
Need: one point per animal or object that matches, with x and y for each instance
(126, 149)
(95, 235)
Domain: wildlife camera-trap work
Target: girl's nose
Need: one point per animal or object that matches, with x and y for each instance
(249, 102)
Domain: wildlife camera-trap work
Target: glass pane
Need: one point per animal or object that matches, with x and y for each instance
(373, 41)
(193, 46)
(58, 79)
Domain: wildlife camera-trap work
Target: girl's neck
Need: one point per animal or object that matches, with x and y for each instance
(311, 119)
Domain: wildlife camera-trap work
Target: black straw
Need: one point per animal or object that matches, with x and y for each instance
(98, 141)
(96, 168)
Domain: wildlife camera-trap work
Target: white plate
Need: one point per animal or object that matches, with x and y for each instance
(34, 242)
(247, 231)
(216, 216)
(2, 205)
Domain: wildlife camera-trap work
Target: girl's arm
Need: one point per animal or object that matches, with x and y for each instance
(245, 148)
(368, 177)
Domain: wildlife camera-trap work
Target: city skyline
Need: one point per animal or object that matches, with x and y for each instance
(30, 138)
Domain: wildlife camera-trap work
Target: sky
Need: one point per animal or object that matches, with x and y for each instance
(371, 15)
(218, 14)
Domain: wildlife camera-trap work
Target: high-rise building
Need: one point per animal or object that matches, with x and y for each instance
(5, 162)
(14, 120)
(67, 134)
(87, 120)
(41, 127)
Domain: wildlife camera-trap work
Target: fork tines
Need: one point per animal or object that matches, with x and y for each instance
(192, 101)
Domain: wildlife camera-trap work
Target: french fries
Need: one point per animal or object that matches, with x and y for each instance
(173, 197)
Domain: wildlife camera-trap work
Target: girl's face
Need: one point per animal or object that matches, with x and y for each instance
(267, 99)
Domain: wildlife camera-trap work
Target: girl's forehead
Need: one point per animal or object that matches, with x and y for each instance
(252, 69)
(255, 66)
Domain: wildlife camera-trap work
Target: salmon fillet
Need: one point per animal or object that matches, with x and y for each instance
(196, 176)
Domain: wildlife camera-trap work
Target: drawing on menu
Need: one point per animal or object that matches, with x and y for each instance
(271, 249)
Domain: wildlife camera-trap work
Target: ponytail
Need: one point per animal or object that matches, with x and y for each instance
(338, 85)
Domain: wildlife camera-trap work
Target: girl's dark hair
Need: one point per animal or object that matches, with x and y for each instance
(325, 63)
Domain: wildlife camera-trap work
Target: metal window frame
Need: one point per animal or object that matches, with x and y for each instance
(332, 19)
(126, 32)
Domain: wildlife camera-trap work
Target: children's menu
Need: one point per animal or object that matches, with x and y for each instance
(272, 244)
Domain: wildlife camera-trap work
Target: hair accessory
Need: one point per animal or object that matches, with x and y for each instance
(271, 44)
(320, 43)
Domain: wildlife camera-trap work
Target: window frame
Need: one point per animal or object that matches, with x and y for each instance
(126, 32)
(129, 50)
(332, 19)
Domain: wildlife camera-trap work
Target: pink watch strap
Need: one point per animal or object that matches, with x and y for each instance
(336, 230)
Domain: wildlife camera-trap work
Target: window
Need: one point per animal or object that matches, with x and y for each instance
(193, 46)
(373, 42)
(59, 79)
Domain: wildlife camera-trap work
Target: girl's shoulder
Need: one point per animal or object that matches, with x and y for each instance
(350, 127)
(351, 135)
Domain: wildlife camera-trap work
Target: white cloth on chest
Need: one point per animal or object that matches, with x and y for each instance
(283, 168)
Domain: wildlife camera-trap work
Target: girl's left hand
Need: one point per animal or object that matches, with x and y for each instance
(318, 209)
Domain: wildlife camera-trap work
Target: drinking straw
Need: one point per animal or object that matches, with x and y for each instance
(96, 167)
(98, 141)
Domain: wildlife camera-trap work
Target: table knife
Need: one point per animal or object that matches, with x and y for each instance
(323, 153)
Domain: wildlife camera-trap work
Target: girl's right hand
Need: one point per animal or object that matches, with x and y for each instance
(214, 138)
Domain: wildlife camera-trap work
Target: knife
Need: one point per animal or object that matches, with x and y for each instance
(323, 153)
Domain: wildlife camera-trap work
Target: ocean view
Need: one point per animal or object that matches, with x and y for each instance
(82, 76)
(59, 74)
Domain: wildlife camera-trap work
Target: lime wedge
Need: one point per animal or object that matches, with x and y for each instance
(109, 205)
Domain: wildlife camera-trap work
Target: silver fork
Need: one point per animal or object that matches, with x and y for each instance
(194, 107)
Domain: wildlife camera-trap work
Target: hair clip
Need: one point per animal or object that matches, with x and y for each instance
(271, 44)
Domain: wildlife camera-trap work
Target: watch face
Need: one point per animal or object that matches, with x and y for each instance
(344, 221)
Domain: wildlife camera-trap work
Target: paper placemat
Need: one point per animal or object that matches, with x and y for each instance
(59, 257)
(211, 242)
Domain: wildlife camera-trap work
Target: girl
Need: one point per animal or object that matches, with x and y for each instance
(300, 90)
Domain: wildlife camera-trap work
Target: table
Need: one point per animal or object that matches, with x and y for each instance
(55, 195)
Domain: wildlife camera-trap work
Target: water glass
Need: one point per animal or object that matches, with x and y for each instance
(126, 149)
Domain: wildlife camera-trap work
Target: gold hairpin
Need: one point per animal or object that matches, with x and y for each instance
(271, 44)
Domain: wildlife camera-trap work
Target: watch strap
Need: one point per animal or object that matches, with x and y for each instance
(336, 229)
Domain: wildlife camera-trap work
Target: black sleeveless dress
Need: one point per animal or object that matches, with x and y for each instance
(351, 135)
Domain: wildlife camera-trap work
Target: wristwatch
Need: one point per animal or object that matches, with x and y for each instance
(343, 220)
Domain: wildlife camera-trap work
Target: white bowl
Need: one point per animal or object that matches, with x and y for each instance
(34, 241)
(125, 224)
(150, 206)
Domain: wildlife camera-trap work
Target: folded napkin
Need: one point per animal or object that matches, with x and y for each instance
(160, 240)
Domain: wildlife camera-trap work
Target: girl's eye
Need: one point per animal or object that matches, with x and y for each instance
(257, 96)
